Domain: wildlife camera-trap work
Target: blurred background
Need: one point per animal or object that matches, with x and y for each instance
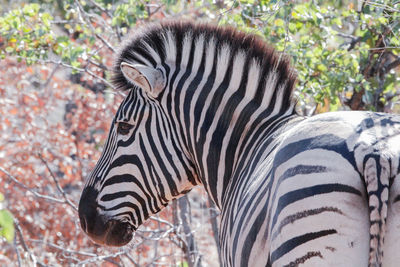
(56, 106)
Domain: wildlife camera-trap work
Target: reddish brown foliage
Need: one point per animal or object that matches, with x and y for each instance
(52, 131)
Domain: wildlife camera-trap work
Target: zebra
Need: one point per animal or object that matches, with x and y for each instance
(210, 105)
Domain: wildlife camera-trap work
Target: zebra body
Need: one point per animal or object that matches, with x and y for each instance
(311, 198)
(213, 106)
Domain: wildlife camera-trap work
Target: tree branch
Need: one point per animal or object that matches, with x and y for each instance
(214, 226)
(77, 69)
(89, 23)
(353, 40)
(17, 251)
(102, 258)
(36, 194)
(66, 199)
(393, 64)
(21, 238)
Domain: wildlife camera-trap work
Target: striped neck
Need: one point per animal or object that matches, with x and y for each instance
(222, 123)
(222, 87)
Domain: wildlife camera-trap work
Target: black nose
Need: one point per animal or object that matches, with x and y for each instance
(98, 227)
(88, 209)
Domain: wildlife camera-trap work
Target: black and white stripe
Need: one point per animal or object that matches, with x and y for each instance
(213, 106)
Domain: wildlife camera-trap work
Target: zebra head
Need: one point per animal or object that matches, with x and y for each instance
(198, 98)
(143, 165)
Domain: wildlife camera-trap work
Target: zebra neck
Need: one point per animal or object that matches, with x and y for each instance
(255, 155)
(218, 94)
(221, 125)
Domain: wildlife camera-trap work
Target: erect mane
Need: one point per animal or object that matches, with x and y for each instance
(253, 46)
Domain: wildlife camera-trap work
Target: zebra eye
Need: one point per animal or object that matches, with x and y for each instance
(124, 128)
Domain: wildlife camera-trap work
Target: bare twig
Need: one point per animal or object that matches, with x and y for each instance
(76, 69)
(131, 259)
(388, 8)
(101, 8)
(160, 257)
(53, 72)
(353, 40)
(99, 65)
(17, 251)
(383, 48)
(192, 256)
(214, 226)
(149, 11)
(67, 200)
(65, 250)
(155, 246)
(158, 219)
(21, 238)
(393, 64)
(266, 17)
(102, 258)
(226, 11)
(36, 194)
(85, 17)
(62, 21)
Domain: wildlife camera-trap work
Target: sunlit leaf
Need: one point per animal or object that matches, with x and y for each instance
(6, 225)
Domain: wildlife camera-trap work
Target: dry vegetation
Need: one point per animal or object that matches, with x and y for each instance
(56, 105)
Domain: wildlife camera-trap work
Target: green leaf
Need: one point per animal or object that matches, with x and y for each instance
(7, 225)
(31, 9)
(279, 22)
(322, 67)
(9, 49)
(183, 264)
(46, 17)
(337, 21)
(383, 20)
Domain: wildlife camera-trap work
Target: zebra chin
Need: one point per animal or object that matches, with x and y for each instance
(110, 233)
(101, 229)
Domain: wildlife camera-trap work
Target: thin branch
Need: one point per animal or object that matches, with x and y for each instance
(192, 256)
(99, 65)
(21, 238)
(65, 250)
(384, 47)
(131, 260)
(17, 251)
(393, 64)
(389, 8)
(157, 219)
(101, 258)
(266, 17)
(214, 226)
(77, 69)
(102, 9)
(67, 200)
(53, 72)
(161, 256)
(353, 40)
(62, 21)
(36, 194)
(149, 6)
(89, 23)
(226, 11)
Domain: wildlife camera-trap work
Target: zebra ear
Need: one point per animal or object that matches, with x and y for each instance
(148, 78)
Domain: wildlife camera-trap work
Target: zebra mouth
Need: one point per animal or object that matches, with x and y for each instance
(109, 232)
(118, 234)
(100, 228)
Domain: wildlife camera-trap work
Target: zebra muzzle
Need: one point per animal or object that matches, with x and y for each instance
(108, 232)
(102, 229)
